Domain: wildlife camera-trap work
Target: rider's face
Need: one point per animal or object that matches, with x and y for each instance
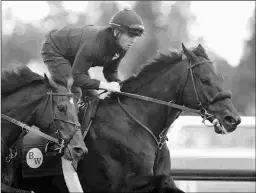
(126, 40)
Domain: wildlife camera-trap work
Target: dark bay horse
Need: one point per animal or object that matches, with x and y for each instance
(123, 156)
(32, 99)
(126, 141)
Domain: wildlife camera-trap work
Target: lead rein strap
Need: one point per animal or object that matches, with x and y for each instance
(33, 129)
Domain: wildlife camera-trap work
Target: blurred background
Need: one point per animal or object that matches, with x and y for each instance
(226, 29)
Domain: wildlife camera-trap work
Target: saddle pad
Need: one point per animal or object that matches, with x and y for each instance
(35, 162)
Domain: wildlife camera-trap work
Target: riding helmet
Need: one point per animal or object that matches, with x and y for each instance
(129, 21)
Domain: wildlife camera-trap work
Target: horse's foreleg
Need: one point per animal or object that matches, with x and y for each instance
(162, 170)
(139, 184)
(157, 183)
(166, 185)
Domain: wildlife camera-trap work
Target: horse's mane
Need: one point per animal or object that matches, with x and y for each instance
(16, 77)
(160, 62)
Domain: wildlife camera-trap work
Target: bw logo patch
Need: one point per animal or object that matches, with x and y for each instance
(34, 158)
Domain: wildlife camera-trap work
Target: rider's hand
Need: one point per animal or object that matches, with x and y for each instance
(110, 86)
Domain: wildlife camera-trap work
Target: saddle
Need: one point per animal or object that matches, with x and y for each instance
(38, 155)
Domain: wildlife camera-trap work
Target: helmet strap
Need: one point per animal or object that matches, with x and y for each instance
(116, 33)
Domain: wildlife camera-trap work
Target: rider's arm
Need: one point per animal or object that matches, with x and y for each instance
(82, 63)
(110, 70)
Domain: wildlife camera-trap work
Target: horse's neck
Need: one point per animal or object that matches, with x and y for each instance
(152, 114)
(19, 106)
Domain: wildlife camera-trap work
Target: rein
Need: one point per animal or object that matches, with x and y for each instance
(33, 129)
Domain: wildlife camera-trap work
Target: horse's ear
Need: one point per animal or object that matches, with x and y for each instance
(50, 83)
(46, 79)
(70, 83)
(200, 49)
(189, 54)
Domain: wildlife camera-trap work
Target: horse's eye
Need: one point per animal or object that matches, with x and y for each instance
(205, 81)
(62, 108)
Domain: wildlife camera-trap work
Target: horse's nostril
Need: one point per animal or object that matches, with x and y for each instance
(231, 120)
(238, 121)
(81, 151)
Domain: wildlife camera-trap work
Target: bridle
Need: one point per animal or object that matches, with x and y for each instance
(202, 110)
(61, 143)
